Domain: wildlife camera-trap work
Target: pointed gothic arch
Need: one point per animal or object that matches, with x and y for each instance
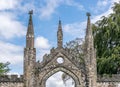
(71, 74)
(51, 66)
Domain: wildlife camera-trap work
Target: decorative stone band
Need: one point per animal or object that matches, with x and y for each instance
(11, 78)
(104, 78)
(108, 78)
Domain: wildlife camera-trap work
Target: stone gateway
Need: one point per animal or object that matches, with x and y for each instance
(36, 73)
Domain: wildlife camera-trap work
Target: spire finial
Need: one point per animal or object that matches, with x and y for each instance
(59, 22)
(88, 14)
(59, 25)
(88, 30)
(30, 17)
(31, 12)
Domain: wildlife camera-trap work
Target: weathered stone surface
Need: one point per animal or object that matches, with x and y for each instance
(17, 81)
(11, 78)
(36, 73)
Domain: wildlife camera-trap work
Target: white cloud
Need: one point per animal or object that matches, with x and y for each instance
(101, 3)
(42, 43)
(75, 4)
(8, 4)
(98, 17)
(11, 53)
(24, 8)
(17, 5)
(101, 6)
(75, 29)
(56, 81)
(51, 6)
(43, 47)
(41, 53)
(118, 1)
(10, 27)
(46, 10)
(106, 13)
(14, 54)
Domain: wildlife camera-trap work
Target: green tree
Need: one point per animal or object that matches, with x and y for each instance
(76, 50)
(107, 42)
(4, 68)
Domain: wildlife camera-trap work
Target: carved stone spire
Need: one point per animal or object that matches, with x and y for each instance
(29, 55)
(30, 32)
(89, 36)
(59, 35)
(90, 57)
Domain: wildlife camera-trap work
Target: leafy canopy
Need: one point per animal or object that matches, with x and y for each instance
(4, 68)
(107, 42)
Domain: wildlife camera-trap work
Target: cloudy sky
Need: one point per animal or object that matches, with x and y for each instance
(14, 20)
(56, 81)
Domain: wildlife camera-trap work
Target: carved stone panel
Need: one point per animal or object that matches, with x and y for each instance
(58, 61)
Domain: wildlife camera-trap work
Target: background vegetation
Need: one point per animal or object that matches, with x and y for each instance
(107, 42)
(4, 68)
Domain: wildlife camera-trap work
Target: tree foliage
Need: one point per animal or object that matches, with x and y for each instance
(107, 42)
(4, 68)
(76, 50)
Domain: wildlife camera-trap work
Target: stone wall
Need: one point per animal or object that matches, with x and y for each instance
(11, 84)
(20, 84)
(17, 81)
(11, 81)
(108, 80)
(108, 84)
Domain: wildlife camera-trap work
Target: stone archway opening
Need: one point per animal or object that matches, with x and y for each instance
(62, 69)
(59, 80)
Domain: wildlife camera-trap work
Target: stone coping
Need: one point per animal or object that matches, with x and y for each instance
(11, 78)
(17, 78)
